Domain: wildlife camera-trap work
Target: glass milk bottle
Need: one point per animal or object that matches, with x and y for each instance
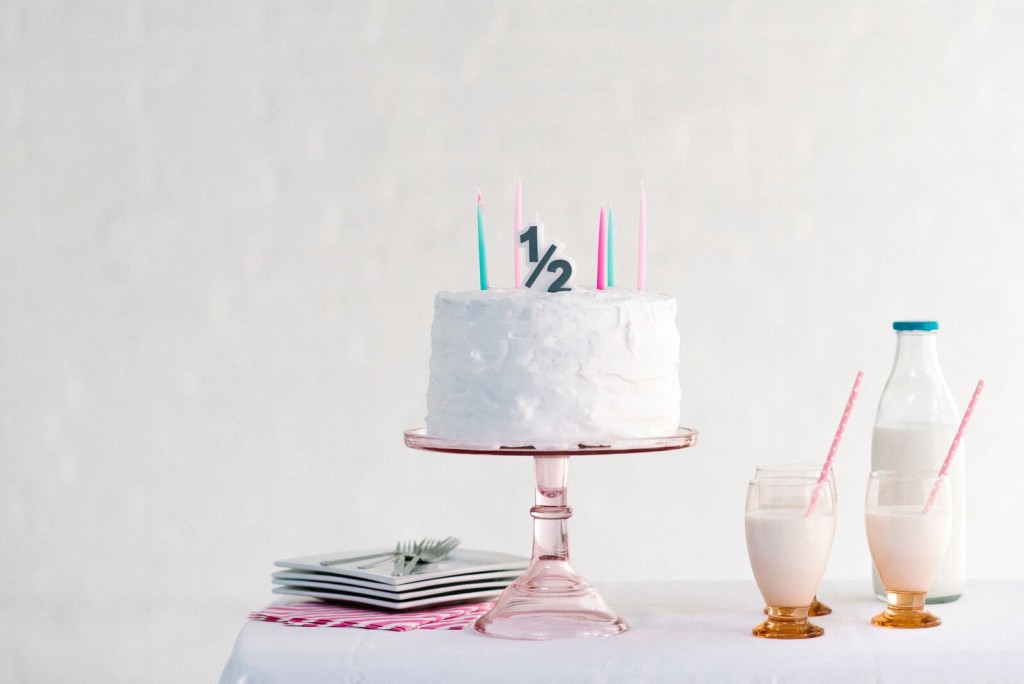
(914, 428)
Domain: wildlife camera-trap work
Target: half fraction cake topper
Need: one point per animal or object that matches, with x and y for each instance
(545, 272)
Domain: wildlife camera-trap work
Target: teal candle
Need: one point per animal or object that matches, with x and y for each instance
(611, 247)
(481, 249)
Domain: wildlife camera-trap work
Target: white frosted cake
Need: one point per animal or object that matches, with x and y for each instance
(515, 367)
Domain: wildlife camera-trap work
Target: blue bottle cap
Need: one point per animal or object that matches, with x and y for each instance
(915, 325)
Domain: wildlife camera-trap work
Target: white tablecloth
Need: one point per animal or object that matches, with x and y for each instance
(679, 632)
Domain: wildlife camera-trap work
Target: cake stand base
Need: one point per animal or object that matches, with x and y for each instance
(550, 601)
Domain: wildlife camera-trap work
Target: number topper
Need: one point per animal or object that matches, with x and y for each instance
(545, 272)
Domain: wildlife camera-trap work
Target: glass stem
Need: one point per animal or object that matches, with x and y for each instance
(550, 511)
(905, 601)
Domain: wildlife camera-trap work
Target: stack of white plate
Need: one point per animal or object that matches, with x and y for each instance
(466, 575)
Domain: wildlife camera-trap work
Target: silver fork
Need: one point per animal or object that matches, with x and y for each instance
(431, 551)
(352, 559)
(408, 549)
(402, 549)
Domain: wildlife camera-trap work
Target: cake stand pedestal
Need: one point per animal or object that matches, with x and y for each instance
(550, 600)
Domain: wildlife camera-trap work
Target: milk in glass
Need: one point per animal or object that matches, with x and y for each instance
(788, 552)
(907, 544)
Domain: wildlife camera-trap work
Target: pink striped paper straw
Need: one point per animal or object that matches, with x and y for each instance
(944, 470)
(825, 469)
(517, 225)
(641, 248)
(601, 246)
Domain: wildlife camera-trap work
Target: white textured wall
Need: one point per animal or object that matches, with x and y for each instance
(222, 225)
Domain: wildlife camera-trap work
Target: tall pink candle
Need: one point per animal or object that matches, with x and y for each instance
(601, 246)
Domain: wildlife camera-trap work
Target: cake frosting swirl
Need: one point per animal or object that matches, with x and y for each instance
(513, 367)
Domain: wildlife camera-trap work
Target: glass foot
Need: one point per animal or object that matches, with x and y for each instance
(787, 623)
(550, 601)
(905, 610)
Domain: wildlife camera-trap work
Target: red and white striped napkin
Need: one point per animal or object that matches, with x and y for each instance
(317, 614)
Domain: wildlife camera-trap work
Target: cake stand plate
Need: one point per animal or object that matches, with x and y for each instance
(551, 600)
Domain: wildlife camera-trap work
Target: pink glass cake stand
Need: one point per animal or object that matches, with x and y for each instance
(550, 600)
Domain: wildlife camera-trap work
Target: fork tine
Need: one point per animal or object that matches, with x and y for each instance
(401, 561)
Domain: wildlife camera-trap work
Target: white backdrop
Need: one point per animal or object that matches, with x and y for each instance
(222, 226)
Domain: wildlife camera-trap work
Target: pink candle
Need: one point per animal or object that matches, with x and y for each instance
(601, 250)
